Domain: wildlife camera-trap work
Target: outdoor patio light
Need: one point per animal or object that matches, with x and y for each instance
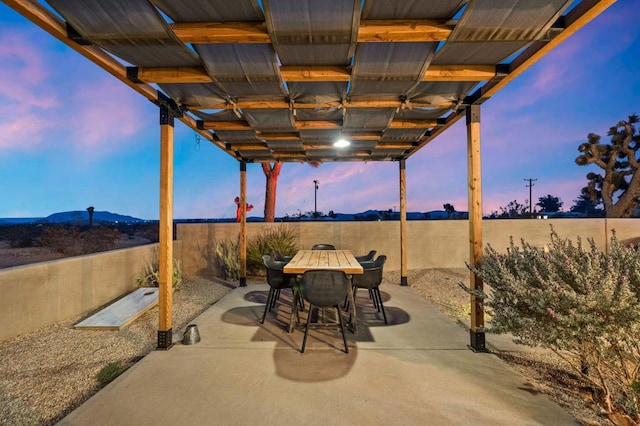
(341, 143)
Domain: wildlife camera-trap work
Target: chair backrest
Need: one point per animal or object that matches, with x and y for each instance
(323, 247)
(324, 288)
(280, 257)
(372, 276)
(275, 275)
(367, 257)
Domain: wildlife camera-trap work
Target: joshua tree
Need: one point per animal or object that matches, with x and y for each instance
(90, 210)
(271, 172)
(619, 188)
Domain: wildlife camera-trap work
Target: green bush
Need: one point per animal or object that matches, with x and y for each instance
(109, 372)
(281, 239)
(151, 276)
(580, 302)
(227, 252)
(227, 256)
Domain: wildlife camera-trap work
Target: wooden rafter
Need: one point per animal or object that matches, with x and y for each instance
(368, 32)
(283, 104)
(315, 125)
(313, 74)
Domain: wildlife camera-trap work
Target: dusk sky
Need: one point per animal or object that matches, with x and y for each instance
(73, 136)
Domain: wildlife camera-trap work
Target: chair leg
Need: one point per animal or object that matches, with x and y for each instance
(274, 299)
(306, 328)
(379, 296)
(344, 337)
(267, 306)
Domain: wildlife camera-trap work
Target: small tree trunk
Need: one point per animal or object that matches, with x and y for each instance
(271, 172)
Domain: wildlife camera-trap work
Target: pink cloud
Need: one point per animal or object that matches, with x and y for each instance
(24, 95)
(105, 116)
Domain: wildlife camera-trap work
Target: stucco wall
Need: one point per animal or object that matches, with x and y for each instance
(37, 295)
(34, 296)
(430, 244)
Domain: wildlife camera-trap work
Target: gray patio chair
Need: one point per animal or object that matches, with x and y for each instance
(324, 289)
(280, 257)
(323, 247)
(371, 280)
(367, 257)
(278, 280)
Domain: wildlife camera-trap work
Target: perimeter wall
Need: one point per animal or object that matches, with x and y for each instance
(430, 243)
(41, 294)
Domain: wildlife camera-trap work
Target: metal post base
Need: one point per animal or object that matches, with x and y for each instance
(477, 341)
(165, 339)
(243, 281)
(403, 281)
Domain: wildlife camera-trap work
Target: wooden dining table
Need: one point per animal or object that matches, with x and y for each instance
(336, 260)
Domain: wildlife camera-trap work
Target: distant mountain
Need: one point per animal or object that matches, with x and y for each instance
(82, 217)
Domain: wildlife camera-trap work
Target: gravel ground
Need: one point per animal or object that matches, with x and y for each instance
(44, 375)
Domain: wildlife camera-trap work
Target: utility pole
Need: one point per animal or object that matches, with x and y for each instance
(530, 185)
(315, 199)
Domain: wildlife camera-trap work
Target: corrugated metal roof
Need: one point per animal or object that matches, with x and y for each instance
(281, 80)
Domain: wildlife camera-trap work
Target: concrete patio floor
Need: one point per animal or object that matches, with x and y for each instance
(417, 370)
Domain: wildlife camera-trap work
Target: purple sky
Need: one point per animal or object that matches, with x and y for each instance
(73, 136)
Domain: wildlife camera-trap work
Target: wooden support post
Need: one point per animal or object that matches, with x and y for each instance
(243, 224)
(475, 224)
(165, 251)
(403, 224)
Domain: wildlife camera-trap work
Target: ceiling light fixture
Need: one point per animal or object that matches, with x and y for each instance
(341, 143)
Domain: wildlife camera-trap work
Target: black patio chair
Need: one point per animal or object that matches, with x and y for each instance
(280, 257)
(371, 280)
(324, 289)
(323, 247)
(278, 280)
(367, 257)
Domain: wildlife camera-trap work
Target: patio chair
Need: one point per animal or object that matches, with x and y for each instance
(278, 280)
(323, 247)
(280, 257)
(371, 280)
(366, 257)
(324, 289)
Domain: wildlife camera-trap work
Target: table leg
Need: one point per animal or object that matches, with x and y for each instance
(353, 318)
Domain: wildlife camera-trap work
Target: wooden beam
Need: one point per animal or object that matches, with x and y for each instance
(413, 124)
(165, 249)
(459, 73)
(248, 147)
(402, 31)
(256, 32)
(474, 179)
(173, 75)
(315, 74)
(243, 224)
(221, 32)
(282, 104)
(316, 125)
(403, 224)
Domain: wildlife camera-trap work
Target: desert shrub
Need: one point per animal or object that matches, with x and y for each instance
(151, 275)
(580, 302)
(281, 239)
(61, 238)
(22, 235)
(97, 239)
(228, 258)
(109, 372)
(227, 252)
(75, 241)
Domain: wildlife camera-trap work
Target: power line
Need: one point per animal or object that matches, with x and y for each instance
(530, 186)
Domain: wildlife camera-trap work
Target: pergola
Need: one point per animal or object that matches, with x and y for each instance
(283, 80)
